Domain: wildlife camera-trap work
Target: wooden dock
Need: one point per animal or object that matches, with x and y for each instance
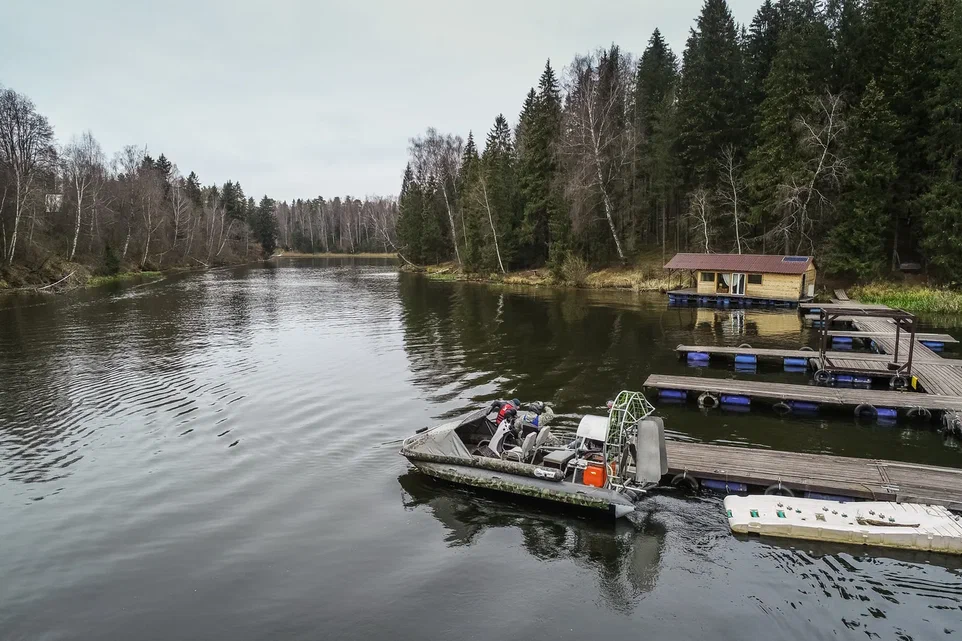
(877, 335)
(819, 473)
(687, 295)
(779, 354)
(783, 392)
(937, 376)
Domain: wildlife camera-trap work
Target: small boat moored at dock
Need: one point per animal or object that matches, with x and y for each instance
(610, 464)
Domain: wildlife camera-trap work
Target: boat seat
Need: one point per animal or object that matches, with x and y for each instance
(524, 452)
(543, 435)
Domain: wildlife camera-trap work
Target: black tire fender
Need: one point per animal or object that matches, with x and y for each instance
(683, 481)
(919, 412)
(822, 376)
(782, 408)
(708, 401)
(865, 409)
(778, 490)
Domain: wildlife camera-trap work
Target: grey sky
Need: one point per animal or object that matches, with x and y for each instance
(298, 99)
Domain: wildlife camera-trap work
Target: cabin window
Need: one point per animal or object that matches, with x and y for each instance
(754, 279)
(708, 277)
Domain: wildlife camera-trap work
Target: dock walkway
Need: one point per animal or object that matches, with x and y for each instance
(763, 352)
(781, 392)
(825, 474)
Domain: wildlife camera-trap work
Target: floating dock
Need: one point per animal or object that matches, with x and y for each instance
(735, 469)
(718, 388)
(939, 379)
(908, 526)
(690, 295)
(817, 474)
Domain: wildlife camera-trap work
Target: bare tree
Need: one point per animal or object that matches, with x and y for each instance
(179, 206)
(701, 212)
(82, 161)
(26, 150)
(439, 155)
(483, 183)
(127, 164)
(730, 188)
(151, 196)
(808, 191)
(596, 142)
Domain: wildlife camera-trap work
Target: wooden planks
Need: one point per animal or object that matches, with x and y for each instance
(826, 474)
(841, 296)
(854, 333)
(810, 393)
(844, 305)
(737, 351)
(762, 352)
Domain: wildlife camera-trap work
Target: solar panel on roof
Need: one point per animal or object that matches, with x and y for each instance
(794, 259)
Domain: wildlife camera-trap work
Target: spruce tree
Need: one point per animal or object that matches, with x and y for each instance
(761, 46)
(193, 189)
(435, 228)
(410, 221)
(502, 215)
(468, 185)
(546, 221)
(799, 74)
(851, 48)
(264, 226)
(524, 121)
(654, 105)
(909, 80)
(857, 243)
(942, 200)
(711, 98)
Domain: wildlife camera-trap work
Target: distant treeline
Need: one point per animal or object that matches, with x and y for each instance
(831, 128)
(72, 203)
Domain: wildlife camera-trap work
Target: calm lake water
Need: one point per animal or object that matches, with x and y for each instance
(214, 456)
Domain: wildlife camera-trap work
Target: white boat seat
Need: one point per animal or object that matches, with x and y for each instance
(543, 435)
(524, 452)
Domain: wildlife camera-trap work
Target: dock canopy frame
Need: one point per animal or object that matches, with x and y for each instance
(903, 321)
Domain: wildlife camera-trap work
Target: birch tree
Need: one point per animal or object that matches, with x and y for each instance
(597, 142)
(730, 188)
(26, 151)
(83, 161)
(701, 212)
(813, 188)
(439, 155)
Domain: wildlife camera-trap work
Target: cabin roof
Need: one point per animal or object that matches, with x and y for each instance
(756, 263)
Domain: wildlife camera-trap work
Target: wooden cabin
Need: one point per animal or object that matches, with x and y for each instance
(744, 276)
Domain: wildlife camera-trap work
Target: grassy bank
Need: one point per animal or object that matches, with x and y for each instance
(644, 275)
(99, 281)
(332, 255)
(910, 298)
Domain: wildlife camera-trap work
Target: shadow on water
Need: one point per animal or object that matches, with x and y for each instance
(625, 555)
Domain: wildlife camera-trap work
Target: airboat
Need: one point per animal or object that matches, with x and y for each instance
(609, 465)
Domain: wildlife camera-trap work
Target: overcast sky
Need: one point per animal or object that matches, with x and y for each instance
(304, 98)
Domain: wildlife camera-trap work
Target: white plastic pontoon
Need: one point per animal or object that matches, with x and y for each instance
(909, 526)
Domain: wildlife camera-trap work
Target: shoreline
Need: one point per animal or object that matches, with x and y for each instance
(911, 297)
(635, 279)
(333, 255)
(75, 276)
